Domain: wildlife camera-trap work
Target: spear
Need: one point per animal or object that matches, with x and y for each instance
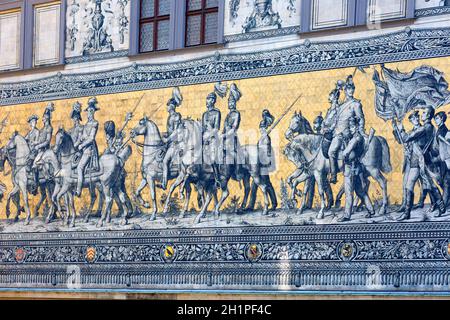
(283, 115)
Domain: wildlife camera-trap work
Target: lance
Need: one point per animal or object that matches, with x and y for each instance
(283, 115)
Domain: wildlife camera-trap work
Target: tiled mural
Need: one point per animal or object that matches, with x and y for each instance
(321, 166)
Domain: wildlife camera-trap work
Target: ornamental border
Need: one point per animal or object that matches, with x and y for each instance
(409, 44)
(426, 12)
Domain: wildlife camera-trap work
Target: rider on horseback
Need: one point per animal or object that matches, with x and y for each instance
(32, 139)
(211, 126)
(77, 129)
(87, 145)
(174, 123)
(350, 108)
(45, 137)
(230, 141)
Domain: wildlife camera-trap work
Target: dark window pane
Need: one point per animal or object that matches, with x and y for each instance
(146, 40)
(163, 35)
(193, 30)
(164, 7)
(211, 27)
(212, 3)
(194, 5)
(147, 8)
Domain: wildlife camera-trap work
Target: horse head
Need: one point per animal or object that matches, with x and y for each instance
(298, 125)
(63, 142)
(141, 128)
(12, 141)
(149, 130)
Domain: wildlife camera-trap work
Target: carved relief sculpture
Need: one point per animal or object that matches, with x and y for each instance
(123, 20)
(262, 16)
(98, 38)
(73, 29)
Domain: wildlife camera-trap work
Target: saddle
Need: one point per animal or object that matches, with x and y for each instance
(90, 171)
(326, 143)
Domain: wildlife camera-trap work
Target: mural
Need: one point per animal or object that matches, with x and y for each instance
(332, 179)
(146, 166)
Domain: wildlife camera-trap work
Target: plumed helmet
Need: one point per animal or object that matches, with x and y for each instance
(318, 119)
(221, 89)
(267, 119)
(212, 95)
(92, 104)
(235, 93)
(49, 109)
(32, 117)
(349, 82)
(76, 111)
(110, 128)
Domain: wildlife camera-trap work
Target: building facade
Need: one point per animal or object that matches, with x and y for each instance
(225, 145)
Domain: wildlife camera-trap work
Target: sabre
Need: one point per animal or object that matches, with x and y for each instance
(283, 115)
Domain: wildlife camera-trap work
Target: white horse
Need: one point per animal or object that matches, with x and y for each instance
(108, 178)
(306, 148)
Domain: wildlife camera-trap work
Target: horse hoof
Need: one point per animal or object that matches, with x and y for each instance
(27, 222)
(320, 216)
(181, 215)
(124, 222)
(86, 219)
(146, 205)
(100, 224)
(153, 217)
(198, 218)
(16, 219)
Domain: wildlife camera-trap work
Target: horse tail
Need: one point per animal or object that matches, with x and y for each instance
(386, 166)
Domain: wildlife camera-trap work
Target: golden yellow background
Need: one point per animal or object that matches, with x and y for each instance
(274, 93)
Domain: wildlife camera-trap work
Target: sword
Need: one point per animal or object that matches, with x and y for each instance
(283, 115)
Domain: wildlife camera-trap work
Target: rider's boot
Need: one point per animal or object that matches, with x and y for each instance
(79, 186)
(333, 170)
(409, 205)
(421, 202)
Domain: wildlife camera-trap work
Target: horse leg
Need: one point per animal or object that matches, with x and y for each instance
(188, 190)
(224, 196)
(24, 191)
(152, 187)
(172, 188)
(320, 186)
(247, 188)
(202, 213)
(125, 203)
(382, 181)
(41, 199)
(340, 194)
(62, 191)
(14, 194)
(93, 196)
(304, 201)
(138, 196)
(107, 207)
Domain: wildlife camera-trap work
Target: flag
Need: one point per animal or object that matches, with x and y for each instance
(397, 93)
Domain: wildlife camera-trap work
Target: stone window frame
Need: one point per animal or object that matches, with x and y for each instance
(177, 26)
(27, 30)
(357, 15)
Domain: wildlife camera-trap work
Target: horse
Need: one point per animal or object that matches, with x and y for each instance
(308, 147)
(153, 153)
(17, 153)
(106, 179)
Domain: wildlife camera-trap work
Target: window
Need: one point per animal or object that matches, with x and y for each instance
(158, 25)
(10, 39)
(201, 22)
(31, 33)
(154, 25)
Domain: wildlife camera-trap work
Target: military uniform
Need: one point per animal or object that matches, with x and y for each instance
(351, 108)
(87, 145)
(174, 123)
(231, 146)
(211, 126)
(265, 162)
(420, 138)
(32, 136)
(354, 181)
